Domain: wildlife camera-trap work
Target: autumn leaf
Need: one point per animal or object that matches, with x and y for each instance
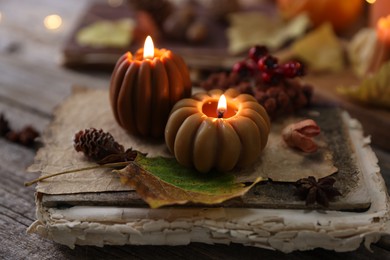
(374, 90)
(106, 33)
(241, 35)
(162, 181)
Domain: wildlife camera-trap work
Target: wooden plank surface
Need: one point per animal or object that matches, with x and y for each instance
(31, 85)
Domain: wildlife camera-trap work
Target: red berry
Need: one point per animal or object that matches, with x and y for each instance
(242, 69)
(266, 77)
(256, 52)
(292, 69)
(271, 78)
(267, 63)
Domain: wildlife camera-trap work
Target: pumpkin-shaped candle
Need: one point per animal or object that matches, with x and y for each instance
(204, 135)
(144, 88)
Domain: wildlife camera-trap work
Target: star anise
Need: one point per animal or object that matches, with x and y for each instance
(321, 191)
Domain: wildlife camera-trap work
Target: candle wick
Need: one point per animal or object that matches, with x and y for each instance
(220, 113)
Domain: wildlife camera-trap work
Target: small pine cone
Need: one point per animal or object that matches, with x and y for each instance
(4, 125)
(291, 92)
(218, 81)
(96, 144)
(300, 101)
(12, 136)
(283, 100)
(233, 78)
(245, 88)
(270, 105)
(27, 135)
(273, 91)
(260, 96)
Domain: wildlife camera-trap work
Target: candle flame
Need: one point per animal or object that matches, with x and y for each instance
(148, 48)
(222, 106)
(371, 1)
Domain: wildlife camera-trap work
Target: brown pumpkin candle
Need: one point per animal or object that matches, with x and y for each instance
(204, 135)
(145, 86)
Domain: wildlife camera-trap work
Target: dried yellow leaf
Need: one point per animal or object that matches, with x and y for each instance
(374, 90)
(107, 33)
(255, 28)
(320, 49)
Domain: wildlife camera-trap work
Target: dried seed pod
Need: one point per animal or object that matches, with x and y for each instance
(299, 135)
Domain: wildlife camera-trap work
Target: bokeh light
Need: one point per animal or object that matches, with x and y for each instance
(52, 22)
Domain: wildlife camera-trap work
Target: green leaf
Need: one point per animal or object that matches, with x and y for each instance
(162, 181)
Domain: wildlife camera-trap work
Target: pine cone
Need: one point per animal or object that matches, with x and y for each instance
(220, 80)
(27, 135)
(96, 144)
(4, 125)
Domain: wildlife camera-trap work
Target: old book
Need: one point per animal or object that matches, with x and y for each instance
(95, 209)
(210, 54)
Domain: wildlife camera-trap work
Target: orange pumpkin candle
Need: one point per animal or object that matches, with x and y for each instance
(204, 135)
(144, 88)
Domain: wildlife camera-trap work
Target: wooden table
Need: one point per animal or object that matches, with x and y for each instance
(32, 84)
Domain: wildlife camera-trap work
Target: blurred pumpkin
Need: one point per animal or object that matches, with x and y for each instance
(340, 13)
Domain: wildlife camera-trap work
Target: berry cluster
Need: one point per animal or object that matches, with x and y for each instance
(272, 84)
(261, 63)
